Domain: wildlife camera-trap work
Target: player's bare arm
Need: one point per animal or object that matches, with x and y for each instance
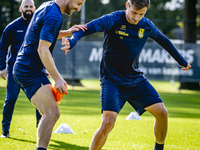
(69, 43)
(48, 62)
(69, 32)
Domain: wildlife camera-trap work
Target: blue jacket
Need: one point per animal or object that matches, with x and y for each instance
(13, 36)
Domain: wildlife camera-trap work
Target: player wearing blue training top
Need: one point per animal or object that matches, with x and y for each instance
(13, 36)
(125, 33)
(35, 56)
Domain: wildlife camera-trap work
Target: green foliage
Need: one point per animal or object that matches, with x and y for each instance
(8, 13)
(9, 10)
(165, 20)
(198, 19)
(80, 109)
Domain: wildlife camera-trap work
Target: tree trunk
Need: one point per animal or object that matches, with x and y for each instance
(12, 4)
(190, 14)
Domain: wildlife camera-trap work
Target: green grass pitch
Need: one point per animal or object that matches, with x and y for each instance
(81, 110)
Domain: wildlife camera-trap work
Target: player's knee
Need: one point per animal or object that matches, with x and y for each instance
(53, 114)
(11, 99)
(57, 114)
(10, 102)
(163, 113)
(109, 123)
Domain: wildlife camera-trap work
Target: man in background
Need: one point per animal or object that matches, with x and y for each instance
(13, 36)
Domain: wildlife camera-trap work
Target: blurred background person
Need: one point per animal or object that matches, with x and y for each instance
(13, 36)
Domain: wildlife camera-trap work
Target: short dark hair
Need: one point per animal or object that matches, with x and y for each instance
(140, 3)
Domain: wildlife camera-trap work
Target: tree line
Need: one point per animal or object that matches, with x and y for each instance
(164, 17)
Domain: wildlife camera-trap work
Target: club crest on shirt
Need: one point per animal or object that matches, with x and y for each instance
(141, 33)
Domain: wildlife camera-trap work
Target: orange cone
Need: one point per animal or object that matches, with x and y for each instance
(58, 95)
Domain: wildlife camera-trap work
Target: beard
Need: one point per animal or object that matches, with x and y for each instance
(69, 10)
(28, 16)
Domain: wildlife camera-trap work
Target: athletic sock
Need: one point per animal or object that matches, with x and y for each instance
(41, 148)
(159, 146)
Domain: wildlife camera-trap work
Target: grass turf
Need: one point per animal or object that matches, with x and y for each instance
(80, 109)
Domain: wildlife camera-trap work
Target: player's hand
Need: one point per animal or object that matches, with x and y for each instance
(77, 27)
(187, 67)
(65, 42)
(60, 85)
(3, 74)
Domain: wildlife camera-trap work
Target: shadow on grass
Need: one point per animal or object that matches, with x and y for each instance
(22, 140)
(60, 145)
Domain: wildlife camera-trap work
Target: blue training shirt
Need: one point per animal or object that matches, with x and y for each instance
(123, 43)
(45, 25)
(13, 36)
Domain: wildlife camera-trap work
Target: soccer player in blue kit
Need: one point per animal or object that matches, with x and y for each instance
(125, 33)
(35, 56)
(13, 36)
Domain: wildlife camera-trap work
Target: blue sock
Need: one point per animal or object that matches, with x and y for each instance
(159, 146)
(41, 148)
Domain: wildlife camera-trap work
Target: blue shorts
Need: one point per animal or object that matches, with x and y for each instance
(31, 83)
(113, 97)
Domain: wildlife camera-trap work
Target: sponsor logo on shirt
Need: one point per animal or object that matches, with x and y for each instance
(20, 30)
(141, 33)
(123, 27)
(121, 33)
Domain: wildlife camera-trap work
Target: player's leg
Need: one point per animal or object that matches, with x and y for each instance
(160, 113)
(100, 136)
(145, 97)
(12, 93)
(45, 101)
(111, 104)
